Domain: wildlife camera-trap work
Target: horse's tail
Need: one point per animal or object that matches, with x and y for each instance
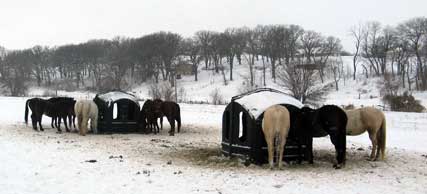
(382, 138)
(26, 111)
(178, 119)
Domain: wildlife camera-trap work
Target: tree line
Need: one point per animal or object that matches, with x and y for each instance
(294, 55)
(400, 51)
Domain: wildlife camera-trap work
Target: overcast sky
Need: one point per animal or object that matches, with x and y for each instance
(24, 24)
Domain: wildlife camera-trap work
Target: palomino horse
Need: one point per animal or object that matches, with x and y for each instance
(85, 110)
(372, 120)
(275, 125)
(328, 120)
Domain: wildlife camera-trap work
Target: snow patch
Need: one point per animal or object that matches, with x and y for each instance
(256, 103)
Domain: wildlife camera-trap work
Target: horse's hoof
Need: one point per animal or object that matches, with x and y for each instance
(338, 166)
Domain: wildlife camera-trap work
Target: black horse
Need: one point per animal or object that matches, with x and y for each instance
(148, 117)
(62, 108)
(328, 120)
(38, 107)
(172, 112)
(300, 133)
(56, 108)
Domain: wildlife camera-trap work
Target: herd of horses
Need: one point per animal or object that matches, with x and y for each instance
(276, 123)
(65, 108)
(327, 120)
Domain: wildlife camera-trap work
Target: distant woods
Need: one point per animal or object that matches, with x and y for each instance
(283, 50)
(399, 52)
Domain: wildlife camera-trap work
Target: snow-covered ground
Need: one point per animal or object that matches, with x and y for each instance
(190, 162)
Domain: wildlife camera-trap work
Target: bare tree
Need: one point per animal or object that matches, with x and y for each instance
(252, 50)
(192, 49)
(205, 39)
(300, 82)
(357, 34)
(414, 30)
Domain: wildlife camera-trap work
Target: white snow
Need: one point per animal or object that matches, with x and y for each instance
(258, 102)
(47, 162)
(116, 95)
(190, 162)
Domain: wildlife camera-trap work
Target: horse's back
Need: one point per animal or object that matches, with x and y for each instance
(372, 117)
(276, 118)
(86, 107)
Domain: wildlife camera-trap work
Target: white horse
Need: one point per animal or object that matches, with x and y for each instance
(276, 124)
(85, 110)
(372, 120)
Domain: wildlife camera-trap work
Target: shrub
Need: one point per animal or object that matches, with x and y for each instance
(348, 107)
(403, 103)
(162, 91)
(216, 97)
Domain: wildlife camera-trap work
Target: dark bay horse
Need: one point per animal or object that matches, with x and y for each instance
(148, 117)
(63, 107)
(329, 120)
(171, 111)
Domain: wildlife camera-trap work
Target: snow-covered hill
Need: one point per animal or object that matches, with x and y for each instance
(358, 92)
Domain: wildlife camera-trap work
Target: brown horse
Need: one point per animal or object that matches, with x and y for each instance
(172, 112)
(275, 125)
(372, 120)
(148, 117)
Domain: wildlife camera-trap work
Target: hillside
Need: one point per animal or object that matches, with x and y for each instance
(208, 81)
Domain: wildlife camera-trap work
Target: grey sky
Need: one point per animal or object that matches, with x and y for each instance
(24, 24)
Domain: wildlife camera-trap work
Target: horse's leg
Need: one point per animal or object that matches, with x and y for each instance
(83, 131)
(51, 123)
(156, 126)
(338, 139)
(40, 122)
(373, 137)
(270, 146)
(69, 121)
(172, 124)
(59, 124)
(65, 123)
(161, 122)
(281, 144)
(94, 123)
(80, 123)
(34, 121)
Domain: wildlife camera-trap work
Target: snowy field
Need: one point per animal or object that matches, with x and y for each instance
(190, 162)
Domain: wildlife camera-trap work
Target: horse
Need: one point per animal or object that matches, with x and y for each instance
(62, 108)
(299, 133)
(38, 107)
(85, 110)
(172, 112)
(329, 120)
(275, 125)
(372, 120)
(148, 116)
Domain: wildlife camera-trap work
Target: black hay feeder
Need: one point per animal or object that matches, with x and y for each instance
(242, 134)
(117, 112)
